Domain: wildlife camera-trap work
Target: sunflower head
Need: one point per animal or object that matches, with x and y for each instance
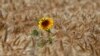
(45, 23)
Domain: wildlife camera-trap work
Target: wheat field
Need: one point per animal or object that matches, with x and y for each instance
(76, 30)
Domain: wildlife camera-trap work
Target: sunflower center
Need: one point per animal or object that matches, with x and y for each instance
(45, 23)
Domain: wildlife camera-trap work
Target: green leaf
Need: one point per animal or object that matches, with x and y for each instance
(35, 33)
(48, 30)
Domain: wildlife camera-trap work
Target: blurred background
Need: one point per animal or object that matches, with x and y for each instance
(76, 27)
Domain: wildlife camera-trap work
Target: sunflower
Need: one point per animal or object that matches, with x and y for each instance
(45, 23)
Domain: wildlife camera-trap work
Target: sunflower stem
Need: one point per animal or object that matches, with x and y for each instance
(49, 37)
